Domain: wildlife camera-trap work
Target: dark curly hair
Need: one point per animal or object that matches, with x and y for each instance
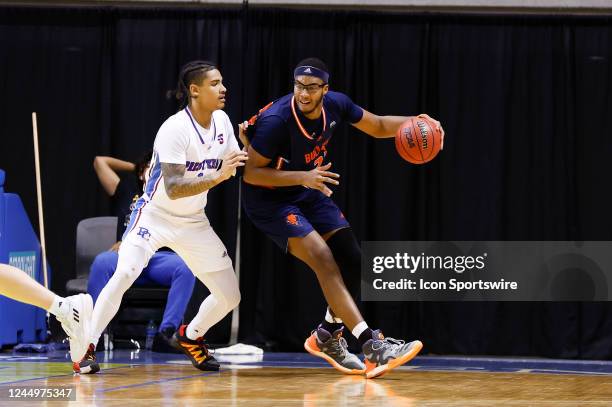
(191, 72)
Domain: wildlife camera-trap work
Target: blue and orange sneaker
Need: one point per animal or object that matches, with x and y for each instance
(195, 350)
(333, 348)
(383, 354)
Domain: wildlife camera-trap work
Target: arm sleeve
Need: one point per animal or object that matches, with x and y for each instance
(349, 110)
(270, 133)
(171, 143)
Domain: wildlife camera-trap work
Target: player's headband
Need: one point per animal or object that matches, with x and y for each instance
(311, 71)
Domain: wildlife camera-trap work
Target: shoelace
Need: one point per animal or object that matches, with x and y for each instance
(339, 346)
(392, 342)
(202, 344)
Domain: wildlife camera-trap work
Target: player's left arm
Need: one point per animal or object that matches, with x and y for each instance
(177, 186)
(386, 126)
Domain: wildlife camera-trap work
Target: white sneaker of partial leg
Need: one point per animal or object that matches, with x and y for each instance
(76, 324)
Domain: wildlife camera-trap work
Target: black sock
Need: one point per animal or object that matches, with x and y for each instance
(168, 332)
(365, 336)
(330, 327)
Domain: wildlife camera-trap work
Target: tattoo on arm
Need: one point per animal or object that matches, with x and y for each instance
(179, 187)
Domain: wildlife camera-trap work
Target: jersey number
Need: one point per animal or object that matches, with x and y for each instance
(318, 161)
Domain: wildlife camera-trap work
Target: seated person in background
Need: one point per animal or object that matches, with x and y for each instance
(165, 268)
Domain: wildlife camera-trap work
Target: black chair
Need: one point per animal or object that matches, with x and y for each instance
(94, 235)
(140, 304)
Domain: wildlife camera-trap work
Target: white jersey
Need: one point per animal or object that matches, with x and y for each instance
(181, 140)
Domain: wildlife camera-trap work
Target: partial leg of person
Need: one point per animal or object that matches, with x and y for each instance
(328, 220)
(313, 251)
(327, 339)
(100, 272)
(146, 233)
(381, 354)
(132, 259)
(168, 269)
(74, 313)
(287, 225)
(224, 297)
(207, 257)
(347, 254)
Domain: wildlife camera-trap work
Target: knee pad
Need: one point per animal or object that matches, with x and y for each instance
(347, 253)
(223, 287)
(129, 274)
(345, 248)
(228, 301)
(132, 260)
(233, 300)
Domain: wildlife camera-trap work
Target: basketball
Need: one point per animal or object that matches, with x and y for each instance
(418, 140)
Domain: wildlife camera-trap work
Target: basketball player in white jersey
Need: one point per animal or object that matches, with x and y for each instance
(194, 150)
(73, 312)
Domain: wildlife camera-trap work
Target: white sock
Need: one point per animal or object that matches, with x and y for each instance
(209, 314)
(359, 328)
(60, 307)
(331, 319)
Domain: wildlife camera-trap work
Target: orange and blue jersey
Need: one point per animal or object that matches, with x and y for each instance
(294, 143)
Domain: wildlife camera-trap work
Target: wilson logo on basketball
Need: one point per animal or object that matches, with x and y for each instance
(293, 220)
(424, 133)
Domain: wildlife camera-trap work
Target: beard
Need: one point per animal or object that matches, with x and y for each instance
(314, 104)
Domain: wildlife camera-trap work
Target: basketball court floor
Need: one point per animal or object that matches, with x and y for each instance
(144, 378)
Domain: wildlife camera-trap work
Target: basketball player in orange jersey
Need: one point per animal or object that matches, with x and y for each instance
(74, 313)
(287, 197)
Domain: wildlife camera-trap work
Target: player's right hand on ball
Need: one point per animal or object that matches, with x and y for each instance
(318, 177)
(232, 161)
